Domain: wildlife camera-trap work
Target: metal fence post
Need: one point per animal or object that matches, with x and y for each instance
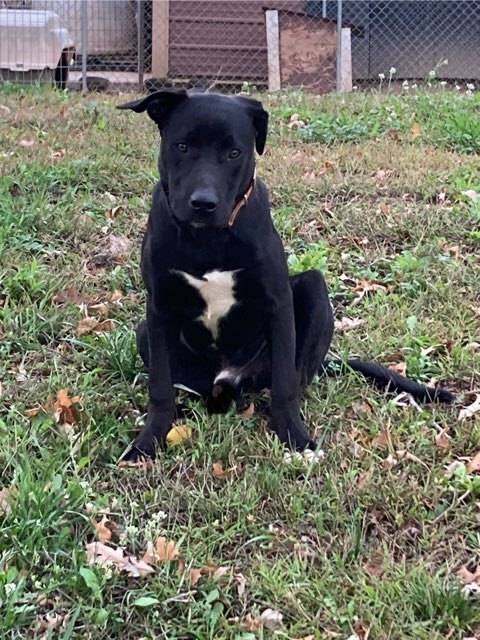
(84, 43)
(339, 44)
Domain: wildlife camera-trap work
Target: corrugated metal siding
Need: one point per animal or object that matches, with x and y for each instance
(220, 38)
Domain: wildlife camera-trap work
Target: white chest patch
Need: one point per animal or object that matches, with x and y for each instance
(216, 289)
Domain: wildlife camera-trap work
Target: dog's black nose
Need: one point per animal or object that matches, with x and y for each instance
(204, 201)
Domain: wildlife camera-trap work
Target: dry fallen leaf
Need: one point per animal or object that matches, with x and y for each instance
(384, 208)
(119, 245)
(271, 619)
(218, 471)
(345, 324)
(103, 528)
(178, 433)
(194, 576)
(5, 499)
(101, 554)
(361, 407)
(415, 130)
(367, 286)
(442, 439)
(27, 142)
(163, 551)
(64, 409)
(111, 213)
(241, 583)
(381, 440)
(89, 324)
(374, 566)
(474, 464)
(248, 411)
(471, 410)
(467, 577)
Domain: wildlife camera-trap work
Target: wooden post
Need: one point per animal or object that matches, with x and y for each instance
(273, 50)
(346, 61)
(160, 38)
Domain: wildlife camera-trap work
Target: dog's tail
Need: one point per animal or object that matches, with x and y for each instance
(388, 379)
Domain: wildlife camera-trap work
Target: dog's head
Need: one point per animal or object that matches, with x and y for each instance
(207, 150)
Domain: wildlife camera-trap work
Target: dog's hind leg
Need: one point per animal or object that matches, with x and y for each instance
(313, 323)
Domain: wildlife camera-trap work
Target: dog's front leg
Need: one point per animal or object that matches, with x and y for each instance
(285, 390)
(161, 406)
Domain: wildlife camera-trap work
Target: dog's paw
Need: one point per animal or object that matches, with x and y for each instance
(293, 433)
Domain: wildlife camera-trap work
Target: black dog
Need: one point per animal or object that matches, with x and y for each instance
(223, 316)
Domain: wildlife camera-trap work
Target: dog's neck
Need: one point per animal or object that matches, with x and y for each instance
(243, 202)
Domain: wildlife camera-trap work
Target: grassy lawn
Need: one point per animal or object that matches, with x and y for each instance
(367, 543)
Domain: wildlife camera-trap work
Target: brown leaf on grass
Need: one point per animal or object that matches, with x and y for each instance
(469, 577)
(241, 583)
(26, 142)
(471, 410)
(5, 499)
(399, 367)
(164, 550)
(64, 409)
(118, 245)
(374, 566)
(248, 411)
(359, 408)
(384, 208)
(442, 439)
(271, 619)
(415, 130)
(381, 440)
(101, 554)
(90, 324)
(218, 471)
(104, 528)
(367, 286)
(472, 346)
(345, 324)
(110, 214)
(474, 464)
(194, 576)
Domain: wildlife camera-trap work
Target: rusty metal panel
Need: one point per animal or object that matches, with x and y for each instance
(307, 52)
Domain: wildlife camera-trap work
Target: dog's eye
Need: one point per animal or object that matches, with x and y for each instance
(181, 146)
(234, 153)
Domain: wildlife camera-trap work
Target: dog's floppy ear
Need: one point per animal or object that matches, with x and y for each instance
(158, 105)
(260, 120)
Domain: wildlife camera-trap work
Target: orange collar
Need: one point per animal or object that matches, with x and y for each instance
(242, 202)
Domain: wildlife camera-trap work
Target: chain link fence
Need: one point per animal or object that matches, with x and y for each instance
(146, 44)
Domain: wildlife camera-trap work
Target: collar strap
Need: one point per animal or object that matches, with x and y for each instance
(243, 201)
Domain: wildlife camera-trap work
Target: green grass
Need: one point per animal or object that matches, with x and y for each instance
(349, 546)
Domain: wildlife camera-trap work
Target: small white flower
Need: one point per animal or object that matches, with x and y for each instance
(414, 86)
(392, 71)
(444, 62)
(354, 88)
(443, 83)
(432, 73)
(9, 588)
(470, 86)
(457, 87)
(468, 92)
(381, 76)
(405, 84)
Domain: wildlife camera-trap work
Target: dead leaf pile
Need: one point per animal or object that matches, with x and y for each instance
(91, 305)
